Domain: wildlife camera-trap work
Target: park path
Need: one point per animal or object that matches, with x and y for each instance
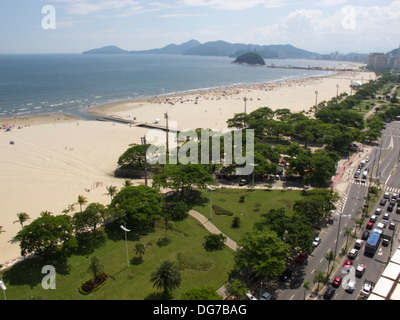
(212, 228)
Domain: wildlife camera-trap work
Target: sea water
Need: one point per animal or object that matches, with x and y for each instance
(72, 83)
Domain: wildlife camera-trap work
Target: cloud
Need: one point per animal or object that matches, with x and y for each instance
(82, 7)
(327, 3)
(233, 4)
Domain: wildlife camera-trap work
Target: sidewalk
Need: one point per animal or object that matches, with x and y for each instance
(212, 228)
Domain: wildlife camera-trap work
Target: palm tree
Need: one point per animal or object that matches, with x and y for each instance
(22, 217)
(95, 268)
(128, 183)
(319, 277)
(347, 234)
(81, 201)
(140, 249)
(306, 286)
(166, 276)
(330, 256)
(2, 230)
(112, 191)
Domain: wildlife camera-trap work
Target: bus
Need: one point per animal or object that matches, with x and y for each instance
(373, 242)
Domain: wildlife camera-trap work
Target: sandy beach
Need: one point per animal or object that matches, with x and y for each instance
(53, 159)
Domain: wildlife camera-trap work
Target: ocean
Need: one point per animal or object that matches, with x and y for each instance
(72, 83)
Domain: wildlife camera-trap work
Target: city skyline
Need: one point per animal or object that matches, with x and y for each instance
(321, 26)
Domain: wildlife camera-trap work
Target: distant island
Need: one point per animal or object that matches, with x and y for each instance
(250, 58)
(234, 50)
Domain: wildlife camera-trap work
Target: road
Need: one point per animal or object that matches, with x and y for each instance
(382, 164)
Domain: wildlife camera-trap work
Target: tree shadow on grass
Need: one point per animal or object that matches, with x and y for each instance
(159, 296)
(87, 244)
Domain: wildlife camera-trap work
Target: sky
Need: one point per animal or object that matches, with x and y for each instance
(74, 26)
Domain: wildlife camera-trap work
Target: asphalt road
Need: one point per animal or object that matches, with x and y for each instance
(383, 164)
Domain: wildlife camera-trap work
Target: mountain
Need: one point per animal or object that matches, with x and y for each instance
(216, 48)
(107, 50)
(172, 48)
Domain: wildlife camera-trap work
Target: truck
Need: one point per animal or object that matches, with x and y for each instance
(373, 242)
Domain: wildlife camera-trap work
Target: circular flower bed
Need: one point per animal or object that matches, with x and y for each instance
(93, 285)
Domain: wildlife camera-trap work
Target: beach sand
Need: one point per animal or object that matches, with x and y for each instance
(56, 158)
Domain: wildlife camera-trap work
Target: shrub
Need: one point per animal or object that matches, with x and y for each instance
(235, 222)
(214, 242)
(221, 211)
(93, 285)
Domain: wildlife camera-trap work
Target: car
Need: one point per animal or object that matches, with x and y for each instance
(394, 196)
(337, 281)
(266, 296)
(390, 207)
(316, 242)
(250, 296)
(385, 242)
(386, 195)
(358, 244)
(329, 293)
(386, 216)
(356, 175)
(243, 182)
(352, 254)
(302, 257)
(287, 274)
(367, 159)
(398, 209)
(365, 235)
(392, 226)
(348, 263)
(382, 224)
(351, 286)
(366, 290)
(378, 211)
(369, 225)
(373, 218)
(360, 270)
(383, 202)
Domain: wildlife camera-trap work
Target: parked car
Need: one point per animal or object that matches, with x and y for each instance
(365, 235)
(394, 196)
(398, 209)
(386, 195)
(266, 296)
(329, 293)
(250, 296)
(367, 288)
(243, 182)
(382, 224)
(348, 263)
(373, 218)
(383, 202)
(360, 270)
(385, 242)
(392, 226)
(352, 254)
(358, 244)
(302, 257)
(390, 207)
(386, 216)
(337, 281)
(316, 242)
(378, 211)
(351, 285)
(369, 225)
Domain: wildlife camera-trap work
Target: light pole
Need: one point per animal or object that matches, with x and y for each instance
(245, 105)
(316, 102)
(144, 143)
(166, 118)
(211, 190)
(126, 242)
(3, 287)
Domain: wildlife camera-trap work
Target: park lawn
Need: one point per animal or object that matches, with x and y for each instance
(24, 279)
(248, 211)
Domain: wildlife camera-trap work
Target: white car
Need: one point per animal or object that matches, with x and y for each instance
(351, 286)
(316, 242)
(386, 216)
(378, 211)
(366, 290)
(367, 159)
(358, 244)
(352, 254)
(250, 296)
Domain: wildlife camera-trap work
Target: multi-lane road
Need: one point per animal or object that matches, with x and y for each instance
(384, 166)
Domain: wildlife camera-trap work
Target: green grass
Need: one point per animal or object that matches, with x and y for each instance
(248, 211)
(23, 281)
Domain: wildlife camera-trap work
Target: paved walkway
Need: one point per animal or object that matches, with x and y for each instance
(212, 228)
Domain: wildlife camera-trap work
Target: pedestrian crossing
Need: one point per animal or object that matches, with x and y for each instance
(365, 182)
(392, 189)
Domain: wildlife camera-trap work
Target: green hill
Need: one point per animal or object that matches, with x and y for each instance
(250, 58)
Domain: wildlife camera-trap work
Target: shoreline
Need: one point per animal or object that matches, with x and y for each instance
(57, 157)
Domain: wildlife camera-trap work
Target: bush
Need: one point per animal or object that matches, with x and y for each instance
(221, 211)
(235, 222)
(93, 285)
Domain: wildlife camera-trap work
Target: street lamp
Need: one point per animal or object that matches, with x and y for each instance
(245, 105)
(254, 169)
(4, 288)
(211, 190)
(144, 143)
(316, 101)
(126, 242)
(166, 118)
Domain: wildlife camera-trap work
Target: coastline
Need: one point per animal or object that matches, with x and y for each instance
(57, 157)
